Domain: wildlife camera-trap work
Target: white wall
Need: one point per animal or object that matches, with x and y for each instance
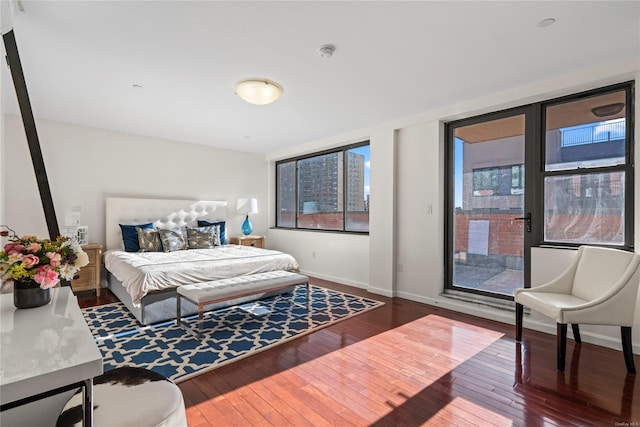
(419, 225)
(339, 258)
(382, 212)
(86, 165)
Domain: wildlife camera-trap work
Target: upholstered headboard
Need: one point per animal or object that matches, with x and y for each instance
(164, 213)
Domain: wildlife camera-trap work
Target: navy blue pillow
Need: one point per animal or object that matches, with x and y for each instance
(223, 231)
(130, 236)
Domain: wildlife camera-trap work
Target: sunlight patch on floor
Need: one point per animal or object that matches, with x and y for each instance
(400, 365)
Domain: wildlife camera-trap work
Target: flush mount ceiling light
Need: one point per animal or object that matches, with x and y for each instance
(607, 110)
(258, 91)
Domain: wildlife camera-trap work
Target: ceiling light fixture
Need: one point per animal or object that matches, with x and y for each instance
(607, 110)
(258, 91)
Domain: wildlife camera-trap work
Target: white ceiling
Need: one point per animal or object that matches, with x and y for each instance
(393, 59)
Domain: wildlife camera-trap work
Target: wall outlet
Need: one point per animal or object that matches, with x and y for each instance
(400, 268)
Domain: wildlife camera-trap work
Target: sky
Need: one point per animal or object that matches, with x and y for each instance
(458, 171)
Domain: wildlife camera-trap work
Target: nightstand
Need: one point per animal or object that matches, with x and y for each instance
(255, 241)
(88, 277)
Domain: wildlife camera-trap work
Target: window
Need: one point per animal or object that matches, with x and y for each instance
(325, 191)
(586, 169)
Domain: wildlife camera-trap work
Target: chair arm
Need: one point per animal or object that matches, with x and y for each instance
(561, 284)
(616, 307)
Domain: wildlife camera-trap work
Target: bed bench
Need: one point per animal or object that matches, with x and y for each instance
(203, 294)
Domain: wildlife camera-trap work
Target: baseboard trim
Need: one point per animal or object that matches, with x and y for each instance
(339, 280)
(384, 292)
(378, 291)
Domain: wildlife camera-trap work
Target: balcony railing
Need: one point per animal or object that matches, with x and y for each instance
(591, 134)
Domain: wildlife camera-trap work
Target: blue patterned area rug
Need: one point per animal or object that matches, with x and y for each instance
(229, 334)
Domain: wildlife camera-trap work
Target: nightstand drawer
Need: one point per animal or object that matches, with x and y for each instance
(255, 241)
(84, 277)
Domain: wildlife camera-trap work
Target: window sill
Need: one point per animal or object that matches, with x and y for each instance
(319, 230)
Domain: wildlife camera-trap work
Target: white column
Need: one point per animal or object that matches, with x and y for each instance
(382, 213)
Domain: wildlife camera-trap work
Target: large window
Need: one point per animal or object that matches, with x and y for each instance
(325, 191)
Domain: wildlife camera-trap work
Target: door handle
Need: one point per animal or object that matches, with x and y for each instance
(527, 220)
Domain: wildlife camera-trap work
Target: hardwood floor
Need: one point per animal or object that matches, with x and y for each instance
(409, 364)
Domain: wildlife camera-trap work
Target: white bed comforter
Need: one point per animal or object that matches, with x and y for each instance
(143, 272)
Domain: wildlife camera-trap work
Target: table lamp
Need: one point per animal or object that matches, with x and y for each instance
(246, 207)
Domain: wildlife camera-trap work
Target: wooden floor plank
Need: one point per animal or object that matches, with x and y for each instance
(412, 364)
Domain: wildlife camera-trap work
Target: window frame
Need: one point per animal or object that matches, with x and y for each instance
(342, 149)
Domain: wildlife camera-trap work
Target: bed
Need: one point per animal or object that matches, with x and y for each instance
(146, 282)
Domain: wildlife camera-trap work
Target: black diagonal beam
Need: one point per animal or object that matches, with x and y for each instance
(13, 59)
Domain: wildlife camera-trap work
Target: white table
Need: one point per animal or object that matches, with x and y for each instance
(46, 349)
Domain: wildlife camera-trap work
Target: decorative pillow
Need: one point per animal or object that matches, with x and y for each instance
(130, 236)
(202, 237)
(149, 240)
(172, 240)
(222, 233)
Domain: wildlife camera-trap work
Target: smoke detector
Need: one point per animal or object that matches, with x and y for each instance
(546, 22)
(326, 51)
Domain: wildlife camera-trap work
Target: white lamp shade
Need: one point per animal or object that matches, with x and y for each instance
(247, 206)
(258, 92)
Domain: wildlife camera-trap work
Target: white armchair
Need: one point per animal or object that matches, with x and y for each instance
(599, 288)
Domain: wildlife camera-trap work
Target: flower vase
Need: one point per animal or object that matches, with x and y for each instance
(29, 295)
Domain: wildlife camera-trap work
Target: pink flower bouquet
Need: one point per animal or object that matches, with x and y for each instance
(43, 261)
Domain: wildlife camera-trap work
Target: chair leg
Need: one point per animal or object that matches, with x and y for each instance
(627, 348)
(561, 337)
(519, 313)
(576, 333)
